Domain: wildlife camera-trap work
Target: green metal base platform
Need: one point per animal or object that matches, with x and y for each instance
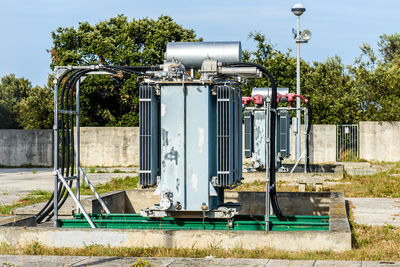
(239, 222)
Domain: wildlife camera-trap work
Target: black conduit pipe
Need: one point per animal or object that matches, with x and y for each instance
(67, 124)
(310, 117)
(272, 171)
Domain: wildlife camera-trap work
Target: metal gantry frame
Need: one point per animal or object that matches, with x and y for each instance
(58, 177)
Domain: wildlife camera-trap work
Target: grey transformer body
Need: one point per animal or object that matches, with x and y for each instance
(255, 121)
(190, 135)
(255, 131)
(191, 131)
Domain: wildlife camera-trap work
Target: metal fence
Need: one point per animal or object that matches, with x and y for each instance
(347, 142)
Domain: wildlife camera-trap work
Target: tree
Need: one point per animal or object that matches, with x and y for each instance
(108, 100)
(12, 91)
(325, 84)
(332, 94)
(389, 47)
(36, 110)
(377, 78)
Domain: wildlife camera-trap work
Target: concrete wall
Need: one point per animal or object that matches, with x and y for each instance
(109, 146)
(22, 147)
(379, 141)
(322, 143)
(119, 146)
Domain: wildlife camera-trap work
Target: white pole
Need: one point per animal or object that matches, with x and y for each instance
(298, 114)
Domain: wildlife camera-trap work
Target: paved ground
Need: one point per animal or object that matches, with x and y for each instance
(16, 182)
(376, 211)
(42, 261)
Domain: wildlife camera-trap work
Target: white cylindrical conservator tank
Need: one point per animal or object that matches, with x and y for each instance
(192, 54)
(266, 92)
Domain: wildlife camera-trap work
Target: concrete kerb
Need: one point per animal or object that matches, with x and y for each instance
(31, 260)
(80, 238)
(338, 238)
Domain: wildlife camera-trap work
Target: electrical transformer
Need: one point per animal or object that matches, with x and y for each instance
(191, 130)
(256, 126)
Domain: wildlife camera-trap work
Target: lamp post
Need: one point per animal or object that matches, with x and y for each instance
(301, 37)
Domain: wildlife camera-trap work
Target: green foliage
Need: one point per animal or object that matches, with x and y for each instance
(377, 78)
(368, 90)
(36, 110)
(107, 100)
(12, 91)
(22, 106)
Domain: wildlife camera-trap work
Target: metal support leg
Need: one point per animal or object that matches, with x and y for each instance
(297, 162)
(78, 144)
(95, 192)
(55, 150)
(76, 200)
(267, 164)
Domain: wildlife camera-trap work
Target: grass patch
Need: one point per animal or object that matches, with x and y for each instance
(372, 243)
(33, 197)
(24, 166)
(120, 171)
(381, 185)
(129, 182)
(37, 196)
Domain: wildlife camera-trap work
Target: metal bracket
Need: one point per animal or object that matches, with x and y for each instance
(95, 192)
(77, 202)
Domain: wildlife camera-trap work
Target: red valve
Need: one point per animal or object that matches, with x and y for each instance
(258, 99)
(278, 97)
(246, 100)
(291, 97)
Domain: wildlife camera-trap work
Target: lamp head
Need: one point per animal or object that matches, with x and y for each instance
(298, 9)
(306, 35)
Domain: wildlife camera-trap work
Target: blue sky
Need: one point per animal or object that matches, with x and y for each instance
(339, 27)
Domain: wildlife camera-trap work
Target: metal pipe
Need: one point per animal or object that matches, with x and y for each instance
(78, 143)
(76, 200)
(184, 145)
(94, 191)
(55, 150)
(267, 165)
(298, 114)
(305, 130)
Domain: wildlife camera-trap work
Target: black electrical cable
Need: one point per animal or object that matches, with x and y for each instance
(52, 195)
(272, 171)
(310, 117)
(69, 138)
(66, 129)
(69, 141)
(41, 215)
(70, 82)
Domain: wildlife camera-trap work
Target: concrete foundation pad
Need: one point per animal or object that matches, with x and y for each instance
(80, 238)
(338, 238)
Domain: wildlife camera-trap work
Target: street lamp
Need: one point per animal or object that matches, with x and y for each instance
(301, 37)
